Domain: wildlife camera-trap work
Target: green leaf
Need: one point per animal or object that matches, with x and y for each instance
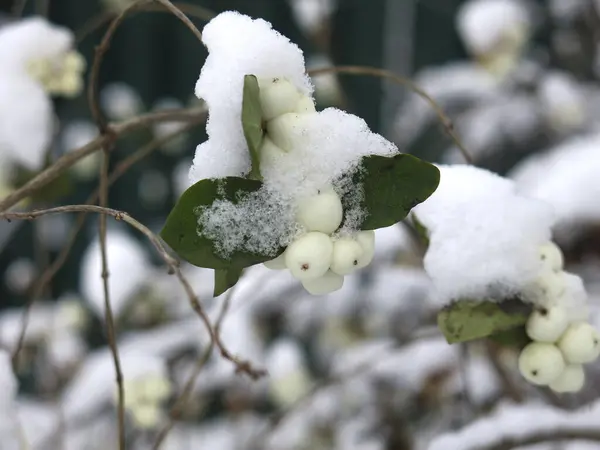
(181, 230)
(467, 320)
(514, 338)
(393, 186)
(252, 122)
(226, 279)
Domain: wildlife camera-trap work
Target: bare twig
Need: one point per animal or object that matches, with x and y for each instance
(182, 399)
(68, 160)
(510, 388)
(382, 73)
(181, 16)
(581, 434)
(242, 366)
(48, 274)
(105, 17)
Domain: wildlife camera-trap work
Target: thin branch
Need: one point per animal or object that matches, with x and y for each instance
(189, 385)
(242, 366)
(382, 73)
(68, 160)
(510, 388)
(105, 17)
(581, 434)
(181, 16)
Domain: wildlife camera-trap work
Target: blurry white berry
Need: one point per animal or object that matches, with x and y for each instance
(347, 253)
(547, 324)
(551, 256)
(286, 130)
(326, 284)
(322, 212)
(277, 96)
(146, 416)
(367, 240)
(571, 379)
(309, 256)
(580, 343)
(305, 105)
(277, 263)
(549, 287)
(541, 363)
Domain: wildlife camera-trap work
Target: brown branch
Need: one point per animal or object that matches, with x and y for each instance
(105, 17)
(382, 73)
(181, 16)
(40, 284)
(242, 366)
(510, 388)
(581, 434)
(189, 385)
(68, 160)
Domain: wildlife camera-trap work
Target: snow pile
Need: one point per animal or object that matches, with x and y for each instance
(128, 268)
(485, 24)
(484, 236)
(36, 60)
(513, 423)
(255, 48)
(566, 177)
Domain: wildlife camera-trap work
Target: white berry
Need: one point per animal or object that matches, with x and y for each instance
(571, 379)
(367, 240)
(287, 130)
(549, 287)
(326, 284)
(305, 105)
(322, 212)
(547, 324)
(347, 253)
(309, 256)
(551, 256)
(277, 263)
(277, 96)
(580, 343)
(541, 363)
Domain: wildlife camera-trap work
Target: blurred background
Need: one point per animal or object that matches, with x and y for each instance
(520, 82)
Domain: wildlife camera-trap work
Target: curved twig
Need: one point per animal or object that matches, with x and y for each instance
(382, 73)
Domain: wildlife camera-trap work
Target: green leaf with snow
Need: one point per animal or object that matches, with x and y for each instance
(183, 232)
(252, 124)
(393, 186)
(226, 279)
(468, 320)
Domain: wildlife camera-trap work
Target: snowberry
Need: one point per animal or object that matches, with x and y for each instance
(541, 363)
(285, 129)
(580, 343)
(547, 324)
(326, 284)
(309, 256)
(549, 286)
(551, 256)
(305, 105)
(270, 155)
(570, 380)
(322, 212)
(347, 253)
(367, 240)
(277, 263)
(277, 96)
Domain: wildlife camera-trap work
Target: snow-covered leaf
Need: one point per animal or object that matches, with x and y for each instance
(183, 232)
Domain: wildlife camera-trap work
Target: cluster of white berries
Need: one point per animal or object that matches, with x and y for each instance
(59, 76)
(319, 258)
(560, 344)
